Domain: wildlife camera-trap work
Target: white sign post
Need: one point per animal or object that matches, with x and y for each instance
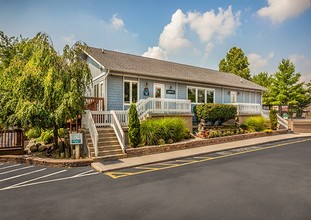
(76, 139)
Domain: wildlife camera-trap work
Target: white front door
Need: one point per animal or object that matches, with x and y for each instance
(158, 94)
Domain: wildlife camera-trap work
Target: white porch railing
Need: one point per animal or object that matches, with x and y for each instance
(282, 121)
(118, 130)
(93, 131)
(247, 108)
(163, 106)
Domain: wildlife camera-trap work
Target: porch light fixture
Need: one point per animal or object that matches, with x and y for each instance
(146, 84)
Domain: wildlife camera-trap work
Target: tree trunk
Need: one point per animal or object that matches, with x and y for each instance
(55, 131)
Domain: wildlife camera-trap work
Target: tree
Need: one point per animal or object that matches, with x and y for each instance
(41, 88)
(134, 127)
(265, 80)
(235, 62)
(285, 88)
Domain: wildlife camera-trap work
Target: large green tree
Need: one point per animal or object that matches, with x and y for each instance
(39, 87)
(265, 80)
(286, 88)
(235, 62)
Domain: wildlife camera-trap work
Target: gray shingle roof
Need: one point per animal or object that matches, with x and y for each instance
(138, 65)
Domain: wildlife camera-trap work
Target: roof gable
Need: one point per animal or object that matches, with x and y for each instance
(132, 64)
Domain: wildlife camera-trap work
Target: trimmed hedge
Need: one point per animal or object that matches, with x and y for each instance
(215, 112)
(273, 119)
(165, 130)
(134, 127)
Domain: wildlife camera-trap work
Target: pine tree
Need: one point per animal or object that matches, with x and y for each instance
(235, 62)
(286, 89)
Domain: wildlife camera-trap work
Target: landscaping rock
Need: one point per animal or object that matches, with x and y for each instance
(170, 141)
(39, 144)
(34, 148)
(31, 143)
(42, 148)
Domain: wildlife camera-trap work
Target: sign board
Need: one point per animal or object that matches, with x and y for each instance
(76, 138)
(170, 91)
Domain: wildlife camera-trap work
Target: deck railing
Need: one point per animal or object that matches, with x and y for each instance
(118, 130)
(94, 103)
(163, 106)
(247, 108)
(11, 139)
(93, 131)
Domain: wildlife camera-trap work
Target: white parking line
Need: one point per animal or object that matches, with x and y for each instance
(84, 173)
(40, 177)
(24, 174)
(15, 165)
(11, 171)
(19, 185)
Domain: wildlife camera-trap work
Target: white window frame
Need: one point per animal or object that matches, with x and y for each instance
(205, 94)
(131, 90)
(233, 97)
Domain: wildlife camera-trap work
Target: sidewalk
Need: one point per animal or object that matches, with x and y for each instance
(173, 155)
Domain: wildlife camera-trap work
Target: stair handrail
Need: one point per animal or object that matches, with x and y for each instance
(118, 129)
(282, 121)
(93, 132)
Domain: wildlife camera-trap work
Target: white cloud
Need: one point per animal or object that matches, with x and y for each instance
(208, 48)
(280, 10)
(156, 52)
(116, 22)
(303, 65)
(257, 62)
(69, 39)
(209, 25)
(172, 37)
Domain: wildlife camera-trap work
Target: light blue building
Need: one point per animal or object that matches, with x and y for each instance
(157, 87)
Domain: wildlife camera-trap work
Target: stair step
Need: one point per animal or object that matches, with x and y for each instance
(106, 148)
(105, 158)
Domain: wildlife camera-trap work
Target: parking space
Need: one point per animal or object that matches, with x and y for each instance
(197, 159)
(22, 175)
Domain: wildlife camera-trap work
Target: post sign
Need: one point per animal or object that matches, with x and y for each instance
(76, 138)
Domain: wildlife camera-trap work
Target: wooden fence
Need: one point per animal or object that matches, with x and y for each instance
(11, 139)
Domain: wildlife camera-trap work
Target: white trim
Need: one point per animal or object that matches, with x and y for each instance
(94, 60)
(195, 84)
(205, 94)
(97, 77)
(131, 90)
(162, 89)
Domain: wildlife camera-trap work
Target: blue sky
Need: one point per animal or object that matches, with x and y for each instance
(194, 32)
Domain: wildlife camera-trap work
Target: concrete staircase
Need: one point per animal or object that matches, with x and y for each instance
(108, 145)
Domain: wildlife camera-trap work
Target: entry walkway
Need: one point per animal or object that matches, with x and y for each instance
(155, 158)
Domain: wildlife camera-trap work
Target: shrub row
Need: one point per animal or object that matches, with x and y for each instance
(215, 112)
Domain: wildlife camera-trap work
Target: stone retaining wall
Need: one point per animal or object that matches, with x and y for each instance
(136, 152)
(46, 161)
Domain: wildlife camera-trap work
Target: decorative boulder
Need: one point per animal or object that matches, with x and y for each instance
(34, 148)
(31, 143)
(42, 148)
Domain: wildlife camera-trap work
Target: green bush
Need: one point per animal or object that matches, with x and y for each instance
(215, 112)
(167, 129)
(256, 123)
(273, 119)
(33, 133)
(46, 137)
(134, 127)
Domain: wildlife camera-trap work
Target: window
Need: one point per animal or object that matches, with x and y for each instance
(130, 92)
(201, 95)
(233, 96)
(191, 94)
